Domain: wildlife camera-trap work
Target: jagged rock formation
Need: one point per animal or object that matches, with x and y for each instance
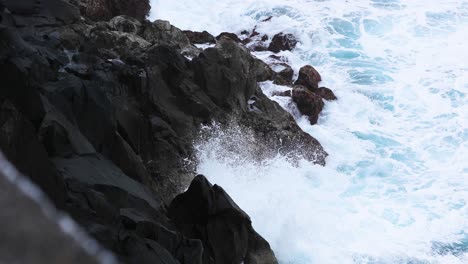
(101, 115)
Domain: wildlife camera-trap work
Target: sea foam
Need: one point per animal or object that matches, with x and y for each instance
(395, 187)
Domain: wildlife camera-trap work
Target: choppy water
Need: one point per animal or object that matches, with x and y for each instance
(395, 188)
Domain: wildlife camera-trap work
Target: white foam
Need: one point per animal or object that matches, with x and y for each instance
(395, 187)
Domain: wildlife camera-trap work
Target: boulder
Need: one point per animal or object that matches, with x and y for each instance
(125, 24)
(282, 42)
(326, 93)
(199, 37)
(308, 103)
(229, 35)
(263, 71)
(308, 77)
(230, 66)
(161, 32)
(208, 213)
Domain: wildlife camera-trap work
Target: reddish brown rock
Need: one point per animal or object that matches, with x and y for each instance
(308, 77)
(308, 103)
(282, 42)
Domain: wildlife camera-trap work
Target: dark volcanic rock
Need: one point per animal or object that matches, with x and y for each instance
(125, 24)
(107, 9)
(206, 212)
(308, 77)
(229, 35)
(199, 37)
(282, 42)
(30, 227)
(103, 115)
(231, 67)
(308, 103)
(21, 146)
(161, 32)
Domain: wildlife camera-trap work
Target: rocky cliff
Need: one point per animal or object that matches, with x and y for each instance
(100, 107)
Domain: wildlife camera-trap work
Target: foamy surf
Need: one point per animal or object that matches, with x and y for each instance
(395, 186)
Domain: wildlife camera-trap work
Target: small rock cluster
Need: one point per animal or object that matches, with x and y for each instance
(305, 90)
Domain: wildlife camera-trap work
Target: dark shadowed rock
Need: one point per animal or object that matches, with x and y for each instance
(231, 67)
(264, 72)
(61, 138)
(33, 231)
(326, 93)
(284, 75)
(308, 103)
(199, 37)
(125, 24)
(229, 35)
(206, 212)
(21, 146)
(161, 32)
(99, 10)
(308, 77)
(282, 42)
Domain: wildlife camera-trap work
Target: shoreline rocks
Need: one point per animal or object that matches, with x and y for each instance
(102, 116)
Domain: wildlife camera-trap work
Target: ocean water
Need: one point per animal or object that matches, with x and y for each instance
(395, 187)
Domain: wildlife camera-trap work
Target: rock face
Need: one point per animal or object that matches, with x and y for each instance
(206, 212)
(102, 116)
(31, 231)
(282, 42)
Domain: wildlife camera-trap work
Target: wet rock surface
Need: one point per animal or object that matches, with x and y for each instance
(308, 103)
(308, 77)
(102, 116)
(282, 42)
(206, 212)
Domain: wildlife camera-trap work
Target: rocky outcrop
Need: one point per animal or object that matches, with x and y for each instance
(206, 212)
(102, 116)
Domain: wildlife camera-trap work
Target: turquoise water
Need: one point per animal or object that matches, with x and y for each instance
(395, 187)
